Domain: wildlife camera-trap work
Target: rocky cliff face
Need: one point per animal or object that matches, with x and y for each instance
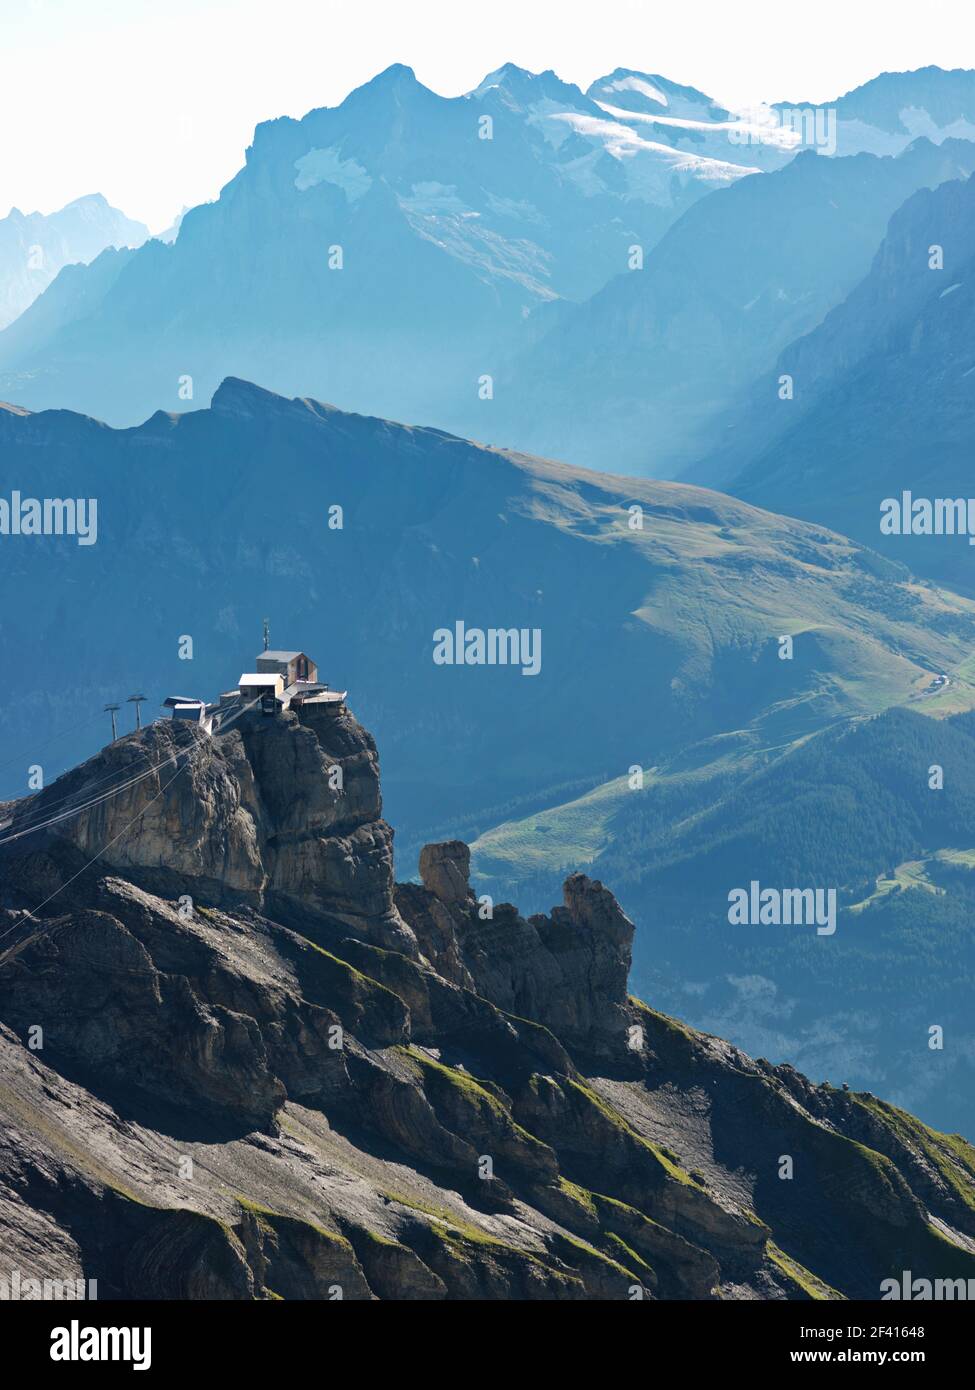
(237, 1061)
(284, 809)
(567, 970)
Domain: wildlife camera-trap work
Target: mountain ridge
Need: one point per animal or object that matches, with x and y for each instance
(885, 374)
(344, 1118)
(660, 612)
(657, 368)
(386, 243)
(506, 528)
(35, 246)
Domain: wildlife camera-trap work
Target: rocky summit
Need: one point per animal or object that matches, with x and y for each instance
(238, 1061)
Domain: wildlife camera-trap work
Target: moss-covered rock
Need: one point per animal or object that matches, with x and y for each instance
(298, 1259)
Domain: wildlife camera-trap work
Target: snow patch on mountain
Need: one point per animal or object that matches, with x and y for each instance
(637, 84)
(858, 137)
(328, 166)
(582, 173)
(540, 114)
(519, 209)
(432, 198)
(917, 120)
(622, 142)
(747, 129)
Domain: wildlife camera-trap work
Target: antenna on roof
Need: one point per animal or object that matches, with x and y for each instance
(112, 709)
(137, 701)
(267, 634)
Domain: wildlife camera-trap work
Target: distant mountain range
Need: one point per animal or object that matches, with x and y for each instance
(885, 114)
(660, 612)
(35, 246)
(640, 378)
(884, 395)
(435, 259)
(377, 252)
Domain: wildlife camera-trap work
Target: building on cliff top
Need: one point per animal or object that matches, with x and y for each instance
(266, 686)
(194, 711)
(290, 666)
(281, 680)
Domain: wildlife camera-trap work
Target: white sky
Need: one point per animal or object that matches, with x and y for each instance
(153, 102)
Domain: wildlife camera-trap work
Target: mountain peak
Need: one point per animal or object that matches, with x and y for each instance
(646, 91)
(88, 200)
(397, 78)
(396, 72)
(522, 84)
(234, 395)
(507, 72)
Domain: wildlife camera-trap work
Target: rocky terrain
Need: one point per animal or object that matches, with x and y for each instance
(238, 1061)
(660, 647)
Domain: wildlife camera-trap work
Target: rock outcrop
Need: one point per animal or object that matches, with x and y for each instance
(271, 810)
(238, 1062)
(568, 970)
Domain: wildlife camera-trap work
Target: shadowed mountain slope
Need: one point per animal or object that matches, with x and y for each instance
(656, 616)
(641, 377)
(658, 607)
(883, 394)
(302, 1081)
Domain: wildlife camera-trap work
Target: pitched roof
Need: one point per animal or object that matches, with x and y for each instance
(305, 687)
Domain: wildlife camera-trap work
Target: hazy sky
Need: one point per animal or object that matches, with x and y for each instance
(153, 102)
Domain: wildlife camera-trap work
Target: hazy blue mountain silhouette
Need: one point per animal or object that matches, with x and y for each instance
(35, 246)
(884, 115)
(640, 376)
(465, 258)
(883, 394)
(448, 241)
